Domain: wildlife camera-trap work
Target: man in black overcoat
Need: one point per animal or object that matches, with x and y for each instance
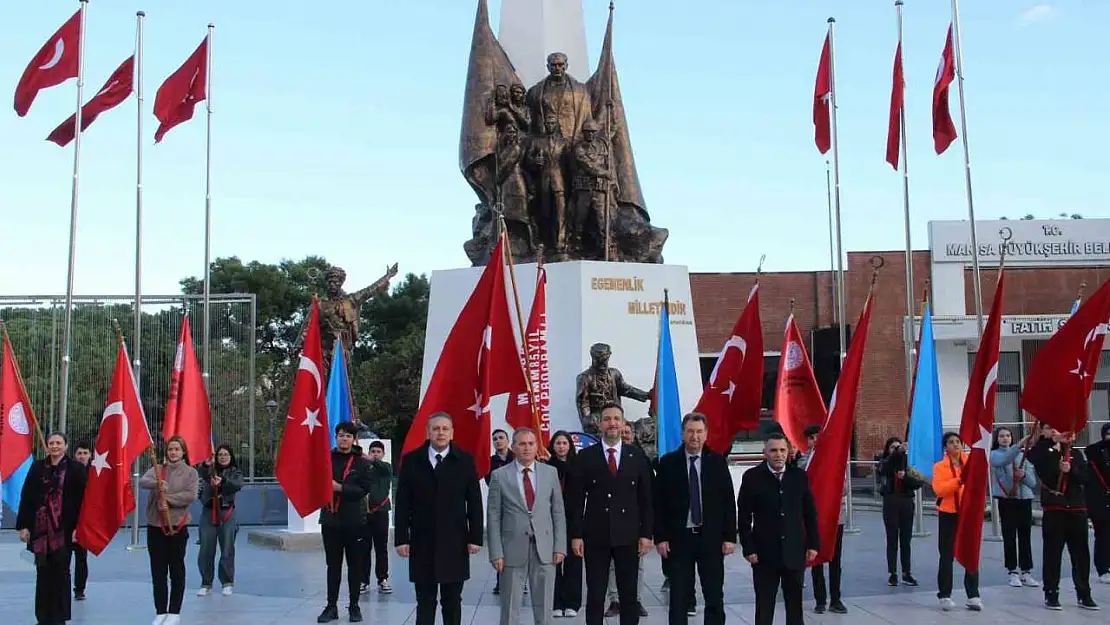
(438, 521)
(777, 522)
(610, 516)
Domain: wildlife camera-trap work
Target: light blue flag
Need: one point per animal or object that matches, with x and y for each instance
(1074, 307)
(11, 490)
(339, 393)
(668, 409)
(925, 420)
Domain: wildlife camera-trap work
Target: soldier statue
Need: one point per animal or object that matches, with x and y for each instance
(600, 385)
(340, 312)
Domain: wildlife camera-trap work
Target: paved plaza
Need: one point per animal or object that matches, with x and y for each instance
(288, 587)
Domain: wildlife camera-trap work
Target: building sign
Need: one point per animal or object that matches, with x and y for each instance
(1030, 243)
(1033, 326)
(966, 327)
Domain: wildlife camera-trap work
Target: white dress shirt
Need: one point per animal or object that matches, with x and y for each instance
(520, 479)
(617, 456)
(432, 455)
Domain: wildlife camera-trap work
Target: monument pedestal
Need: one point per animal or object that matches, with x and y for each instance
(587, 302)
(299, 534)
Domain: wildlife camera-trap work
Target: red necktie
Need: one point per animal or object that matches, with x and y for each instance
(612, 460)
(529, 490)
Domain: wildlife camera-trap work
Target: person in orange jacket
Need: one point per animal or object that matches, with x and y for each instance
(948, 487)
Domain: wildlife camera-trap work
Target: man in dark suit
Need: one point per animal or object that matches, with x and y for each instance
(438, 521)
(695, 521)
(778, 530)
(610, 499)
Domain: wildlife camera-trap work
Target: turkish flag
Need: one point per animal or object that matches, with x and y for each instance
(944, 131)
(518, 413)
(798, 401)
(480, 360)
(732, 399)
(17, 420)
(894, 123)
(1060, 380)
(827, 466)
(304, 459)
(56, 62)
(122, 438)
(180, 93)
(822, 94)
(188, 414)
(116, 90)
(976, 426)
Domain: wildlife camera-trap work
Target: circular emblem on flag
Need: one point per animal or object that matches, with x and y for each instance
(794, 356)
(17, 420)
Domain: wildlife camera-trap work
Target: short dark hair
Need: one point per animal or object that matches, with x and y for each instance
(346, 427)
(499, 431)
(377, 445)
(947, 436)
(776, 436)
(59, 435)
(611, 404)
(696, 417)
(82, 444)
(811, 430)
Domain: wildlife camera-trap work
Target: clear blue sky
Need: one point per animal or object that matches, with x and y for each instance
(336, 131)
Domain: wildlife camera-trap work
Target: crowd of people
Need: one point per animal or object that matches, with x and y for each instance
(553, 514)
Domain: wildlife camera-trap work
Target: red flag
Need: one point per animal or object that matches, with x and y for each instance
(480, 360)
(56, 62)
(827, 466)
(179, 94)
(304, 459)
(17, 420)
(122, 438)
(798, 401)
(519, 413)
(115, 91)
(822, 94)
(976, 426)
(1060, 380)
(188, 414)
(734, 395)
(894, 123)
(944, 131)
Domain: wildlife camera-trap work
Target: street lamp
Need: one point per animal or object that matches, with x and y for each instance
(271, 407)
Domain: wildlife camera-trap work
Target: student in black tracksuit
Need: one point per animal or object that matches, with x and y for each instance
(376, 556)
(897, 487)
(1065, 516)
(1098, 501)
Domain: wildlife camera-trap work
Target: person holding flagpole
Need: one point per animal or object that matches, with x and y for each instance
(1013, 481)
(948, 484)
(218, 526)
(897, 485)
(1098, 500)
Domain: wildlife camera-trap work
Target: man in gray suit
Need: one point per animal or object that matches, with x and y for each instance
(527, 529)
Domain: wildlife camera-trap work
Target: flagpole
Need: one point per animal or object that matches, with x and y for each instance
(67, 326)
(832, 242)
(137, 340)
(208, 209)
(908, 328)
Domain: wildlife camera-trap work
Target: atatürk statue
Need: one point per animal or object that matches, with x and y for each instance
(600, 385)
(575, 194)
(339, 313)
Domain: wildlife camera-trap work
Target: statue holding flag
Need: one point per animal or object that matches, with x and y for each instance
(340, 312)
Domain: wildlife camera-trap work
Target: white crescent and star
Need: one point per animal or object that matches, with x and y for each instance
(984, 441)
(989, 381)
(100, 462)
(59, 52)
(116, 409)
(736, 342)
(308, 365)
(106, 89)
(480, 406)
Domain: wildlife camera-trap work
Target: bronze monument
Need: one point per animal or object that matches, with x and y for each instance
(340, 312)
(554, 160)
(600, 385)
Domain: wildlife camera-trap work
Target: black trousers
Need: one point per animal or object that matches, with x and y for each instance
(568, 584)
(1060, 528)
(1016, 518)
(767, 580)
(376, 552)
(947, 522)
(689, 550)
(343, 543)
(898, 521)
(817, 573)
(626, 563)
(450, 601)
(52, 599)
(1102, 546)
(80, 569)
(167, 559)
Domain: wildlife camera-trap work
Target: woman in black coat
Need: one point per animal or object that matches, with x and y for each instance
(568, 574)
(49, 506)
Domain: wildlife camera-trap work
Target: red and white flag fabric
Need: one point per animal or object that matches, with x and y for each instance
(822, 96)
(17, 420)
(518, 413)
(188, 413)
(118, 88)
(976, 427)
(480, 360)
(304, 459)
(827, 466)
(122, 438)
(181, 91)
(798, 402)
(732, 399)
(897, 103)
(56, 62)
(1060, 380)
(944, 131)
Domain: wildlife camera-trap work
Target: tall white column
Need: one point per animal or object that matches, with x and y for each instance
(529, 30)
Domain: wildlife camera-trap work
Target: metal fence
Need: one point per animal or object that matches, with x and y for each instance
(35, 326)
